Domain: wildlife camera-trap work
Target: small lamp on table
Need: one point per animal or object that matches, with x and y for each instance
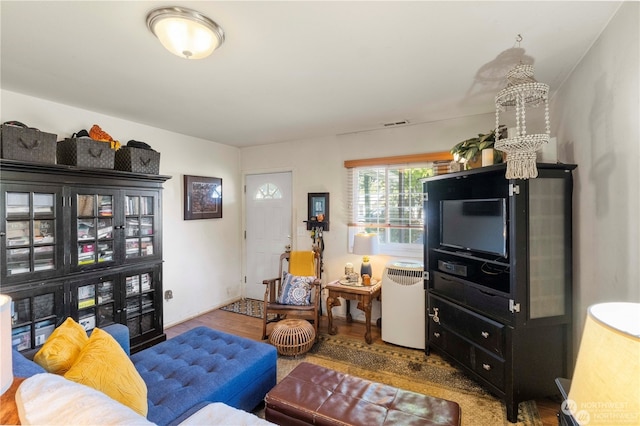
(365, 244)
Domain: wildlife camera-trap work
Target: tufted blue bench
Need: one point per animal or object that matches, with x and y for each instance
(185, 373)
(205, 365)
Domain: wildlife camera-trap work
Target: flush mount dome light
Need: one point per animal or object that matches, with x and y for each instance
(185, 32)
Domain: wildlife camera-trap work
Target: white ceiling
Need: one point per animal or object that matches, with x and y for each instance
(291, 70)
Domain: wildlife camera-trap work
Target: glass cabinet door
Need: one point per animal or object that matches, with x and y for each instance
(32, 224)
(140, 225)
(34, 315)
(142, 308)
(94, 229)
(94, 302)
(548, 242)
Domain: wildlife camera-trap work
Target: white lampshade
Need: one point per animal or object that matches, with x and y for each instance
(185, 32)
(365, 244)
(6, 366)
(605, 388)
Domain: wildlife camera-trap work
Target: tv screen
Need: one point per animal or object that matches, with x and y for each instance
(476, 225)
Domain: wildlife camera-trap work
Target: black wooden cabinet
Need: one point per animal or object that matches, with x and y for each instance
(85, 243)
(498, 264)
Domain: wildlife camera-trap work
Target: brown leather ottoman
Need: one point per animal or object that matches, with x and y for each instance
(315, 395)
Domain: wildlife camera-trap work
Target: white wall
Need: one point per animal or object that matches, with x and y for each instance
(203, 264)
(596, 113)
(202, 257)
(318, 166)
(594, 116)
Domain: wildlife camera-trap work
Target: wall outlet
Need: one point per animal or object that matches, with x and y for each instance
(168, 294)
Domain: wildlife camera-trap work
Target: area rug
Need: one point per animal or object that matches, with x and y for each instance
(250, 307)
(410, 369)
(403, 368)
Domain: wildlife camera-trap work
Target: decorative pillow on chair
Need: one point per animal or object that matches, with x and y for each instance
(62, 348)
(104, 365)
(295, 290)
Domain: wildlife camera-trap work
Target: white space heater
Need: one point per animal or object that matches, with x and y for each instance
(403, 305)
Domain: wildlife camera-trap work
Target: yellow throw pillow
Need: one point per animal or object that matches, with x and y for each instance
(62, 348)
(104, 365)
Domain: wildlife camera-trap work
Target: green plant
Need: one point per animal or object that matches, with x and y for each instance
(468, 149)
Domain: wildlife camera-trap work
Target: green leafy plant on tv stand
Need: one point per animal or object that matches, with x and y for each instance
(468, 150)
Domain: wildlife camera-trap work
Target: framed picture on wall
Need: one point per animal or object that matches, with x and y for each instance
(318, 209)
(202, 197)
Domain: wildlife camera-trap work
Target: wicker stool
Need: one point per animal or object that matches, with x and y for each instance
(292, 337)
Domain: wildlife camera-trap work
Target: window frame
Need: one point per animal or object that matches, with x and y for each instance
(388, 164)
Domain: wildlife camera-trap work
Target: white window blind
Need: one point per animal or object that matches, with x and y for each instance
(387, 200)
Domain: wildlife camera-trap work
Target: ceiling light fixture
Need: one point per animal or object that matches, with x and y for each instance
(185, 32)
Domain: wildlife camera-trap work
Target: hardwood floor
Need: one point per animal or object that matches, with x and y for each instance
(242, 325)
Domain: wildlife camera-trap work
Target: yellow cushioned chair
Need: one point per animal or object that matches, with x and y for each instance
(286, 298)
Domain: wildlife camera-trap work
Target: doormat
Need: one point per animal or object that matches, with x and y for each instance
(250, 307)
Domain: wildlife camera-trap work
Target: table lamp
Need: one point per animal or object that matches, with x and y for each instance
(365, 244)
(6, 367)
(605, 388)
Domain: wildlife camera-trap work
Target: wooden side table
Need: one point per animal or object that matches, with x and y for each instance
(363, 294)
(8, 408)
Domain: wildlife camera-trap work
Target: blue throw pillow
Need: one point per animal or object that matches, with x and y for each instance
(295, 290)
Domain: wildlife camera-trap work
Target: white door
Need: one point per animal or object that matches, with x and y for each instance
(268, 219)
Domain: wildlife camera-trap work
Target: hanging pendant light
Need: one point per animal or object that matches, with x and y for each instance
(185, 32)
(522, 92)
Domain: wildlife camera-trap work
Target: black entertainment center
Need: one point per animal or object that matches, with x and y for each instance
(498, 277)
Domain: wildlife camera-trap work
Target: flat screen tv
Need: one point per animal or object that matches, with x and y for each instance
(475, 225)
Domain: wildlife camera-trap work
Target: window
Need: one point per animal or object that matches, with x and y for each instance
(388, 200)
(268, 191)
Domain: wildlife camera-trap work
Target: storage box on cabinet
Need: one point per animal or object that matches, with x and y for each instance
(85, 152)
(137, 160)
(30, 145)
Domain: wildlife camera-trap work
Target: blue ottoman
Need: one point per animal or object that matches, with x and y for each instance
(205, 365)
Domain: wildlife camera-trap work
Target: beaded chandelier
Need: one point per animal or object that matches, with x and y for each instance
(522, 91)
